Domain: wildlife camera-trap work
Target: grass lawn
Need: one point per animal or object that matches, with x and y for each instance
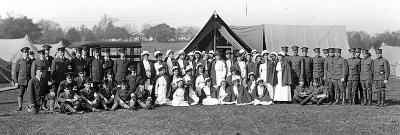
(228, 119)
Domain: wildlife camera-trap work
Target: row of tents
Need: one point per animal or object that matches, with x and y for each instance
(216, 34)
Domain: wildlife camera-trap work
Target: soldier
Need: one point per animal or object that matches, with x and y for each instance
(32, 55)
(59, 67)
(49, 59)
(367, 65)
(326, 52)
(121, 66)
(307, 66)
(381, 76)
(318, 66)
(36, 91)
(295, 62)
(285, 51)
(339, 74)
(96, 68)
(86, 60)
(22, 75)
(354, 75)
(328, 74)
(80, 78)
(108, 63)
(358, 96)
(78, 62)
(41, 62)
(90, 98)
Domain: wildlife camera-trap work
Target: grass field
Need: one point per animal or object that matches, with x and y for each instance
(274, 119)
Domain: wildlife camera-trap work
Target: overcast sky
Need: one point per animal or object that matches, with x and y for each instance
(369, 15)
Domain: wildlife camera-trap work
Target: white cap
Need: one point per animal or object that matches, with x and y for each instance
(252, 51)
(205, 80)
(234, 78)
(197, 52)
(145, 53)
(257, 55)
(189, 67)
(281, 53)
(242, 51)
(211, 52)
(179, 79)
(274, 53)
(174, 67)
(251, 73)
(157, 52)
(259, 79)
(190, 54)
(264, 52)
(168, 51)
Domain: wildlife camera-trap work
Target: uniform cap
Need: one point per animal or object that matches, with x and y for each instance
(365, 51)
(295, 48)
(304, 49)
(358, 50)
(378, 51)
(62, 49)
(25, 49)
(317, 50)
(228, 52)
(40, 68)
(46, 47)
(325, 51)
(69, 74)
(31, 53)
(106, 50)
(331, 50)
(132, 68)
(284, 48)
(40, 52)
(78, 49)
(352, 50)
(338, 50)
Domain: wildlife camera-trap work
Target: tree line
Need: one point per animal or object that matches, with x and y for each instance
(48, 32)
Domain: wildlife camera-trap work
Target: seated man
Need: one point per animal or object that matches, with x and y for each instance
(319, 92)
(124, 98)
(90, 98)
(81, 77)
(142, 97)
(301, 94)
(69, 101)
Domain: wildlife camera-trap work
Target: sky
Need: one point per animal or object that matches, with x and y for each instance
(372, 16)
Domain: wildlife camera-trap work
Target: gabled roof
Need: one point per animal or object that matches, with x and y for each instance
(222, 28)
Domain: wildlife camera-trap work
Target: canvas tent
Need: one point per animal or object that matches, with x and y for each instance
(391, 53)
(54, 47)
(11, 52)
(272, 37)
(215, 32)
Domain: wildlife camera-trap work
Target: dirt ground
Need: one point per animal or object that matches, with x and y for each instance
(228, 119)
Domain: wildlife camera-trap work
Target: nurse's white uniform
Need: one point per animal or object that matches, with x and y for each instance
(282, 93)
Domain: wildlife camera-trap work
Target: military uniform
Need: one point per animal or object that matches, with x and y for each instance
(96, 70)
(328, 74)
(380, 74)
(367, 65)
(318, 67)
(36, 93)
(295, 63)
(353, 77)
(108, 63)
(340, 72)
(22, 75)
(307, 65)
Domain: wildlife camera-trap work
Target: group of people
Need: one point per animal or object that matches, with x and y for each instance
(95, 83)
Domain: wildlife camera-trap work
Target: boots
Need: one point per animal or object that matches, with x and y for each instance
(51, 105)
(350, 97)
(19, 104)
(353, 98)
(320, 101)
(44, 105)
(343, 98)
(369, 98)
(114, 107)
(382, 99)
(379, 98)
(337, 96)
(365, 97)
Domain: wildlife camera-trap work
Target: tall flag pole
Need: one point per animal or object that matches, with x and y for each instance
(246, 7)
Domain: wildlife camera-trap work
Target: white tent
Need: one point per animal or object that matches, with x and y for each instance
(372, 52)
(391, 54)
(11, 52)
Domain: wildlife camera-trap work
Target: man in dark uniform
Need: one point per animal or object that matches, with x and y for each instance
(358, 96)
(42, 62)
(59, 67)
(285, 51)
(381, 76)
(328, 74)
(325, 52)
(96, 68)
(22, 75)
(340, 72)
(295, 62)
(318, 66)
(87, 60)
(367, 65)
(32, 56)
(78, 62)
(354, 75)
(121, 66)
(80, 78)
(49, 59)
(108, 63)
(307, 66)
(36, 91)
